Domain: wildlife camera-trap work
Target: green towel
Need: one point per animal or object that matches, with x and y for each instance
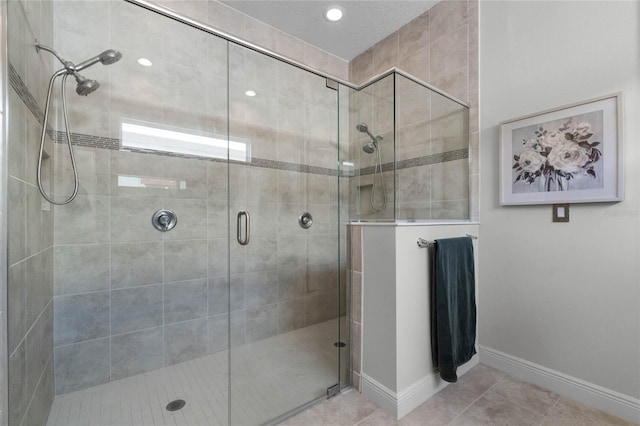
(453, 306)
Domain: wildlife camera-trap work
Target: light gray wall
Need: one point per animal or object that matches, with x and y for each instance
(562, 295)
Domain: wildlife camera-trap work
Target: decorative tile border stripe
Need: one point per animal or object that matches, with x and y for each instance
(24, 94)
(89, 141)
(100, 142)
(458, 154)
(293, 167)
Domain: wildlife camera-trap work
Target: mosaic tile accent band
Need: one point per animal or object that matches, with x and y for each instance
(458, 154)
(89, 141)
(25, 95)
(101, 142)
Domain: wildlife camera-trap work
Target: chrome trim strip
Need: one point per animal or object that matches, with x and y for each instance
(214, 31)
(413, 78)
(211, 30)
(431, 87)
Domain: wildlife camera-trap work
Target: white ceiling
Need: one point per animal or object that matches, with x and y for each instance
(365, 22)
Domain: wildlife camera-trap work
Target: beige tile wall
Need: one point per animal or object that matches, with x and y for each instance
(439, 47)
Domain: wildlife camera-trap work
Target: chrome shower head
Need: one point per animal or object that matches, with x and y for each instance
(369, 148)
(85, 85)
(107, 57)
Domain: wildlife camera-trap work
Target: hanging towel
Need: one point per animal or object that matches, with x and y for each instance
(453, 306)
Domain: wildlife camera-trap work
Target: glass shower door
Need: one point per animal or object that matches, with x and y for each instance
(284, 237)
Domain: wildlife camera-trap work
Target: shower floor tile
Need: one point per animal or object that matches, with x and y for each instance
(270, 377)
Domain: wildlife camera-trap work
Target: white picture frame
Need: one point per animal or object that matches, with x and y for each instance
(569, 154)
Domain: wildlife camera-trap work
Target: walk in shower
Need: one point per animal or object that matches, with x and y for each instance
(202, 259)
(200, 274)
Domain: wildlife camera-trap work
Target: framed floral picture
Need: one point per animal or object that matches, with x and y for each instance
(570, 154)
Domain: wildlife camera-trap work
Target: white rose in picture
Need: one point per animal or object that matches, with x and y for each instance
(533, 144)
(568, 157)
(531, 161)
(583, 129)
(552, 138)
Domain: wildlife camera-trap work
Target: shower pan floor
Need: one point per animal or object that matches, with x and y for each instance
(269, 377)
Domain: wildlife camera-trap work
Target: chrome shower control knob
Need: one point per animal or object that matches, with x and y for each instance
(305, 220)
(164, 220)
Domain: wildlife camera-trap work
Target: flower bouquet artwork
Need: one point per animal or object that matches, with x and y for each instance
(551, 155)
(568, 154)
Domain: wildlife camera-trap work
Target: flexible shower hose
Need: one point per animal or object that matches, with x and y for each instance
(378, 170)
(64, 74)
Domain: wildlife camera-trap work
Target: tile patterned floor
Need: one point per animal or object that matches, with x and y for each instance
(271, 376)
(483, 396)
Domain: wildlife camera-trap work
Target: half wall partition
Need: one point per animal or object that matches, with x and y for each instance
(408, 163)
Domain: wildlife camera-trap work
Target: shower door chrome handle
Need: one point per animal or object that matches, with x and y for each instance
(247, 227)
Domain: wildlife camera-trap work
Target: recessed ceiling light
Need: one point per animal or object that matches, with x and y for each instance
(144, 62)
(334, 13)
(250, 93)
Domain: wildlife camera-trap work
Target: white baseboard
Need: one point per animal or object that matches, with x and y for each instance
(402, 403)
(604, 399)
(380, 395)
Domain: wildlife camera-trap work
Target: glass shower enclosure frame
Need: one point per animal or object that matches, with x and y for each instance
(243, 295)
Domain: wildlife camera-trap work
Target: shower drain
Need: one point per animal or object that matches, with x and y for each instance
(175, 405)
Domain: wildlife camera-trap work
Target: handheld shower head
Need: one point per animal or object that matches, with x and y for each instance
(107, 57)
(370, 148)
(110, 56)
(85, 85)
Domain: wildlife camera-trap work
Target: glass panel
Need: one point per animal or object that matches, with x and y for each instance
(144, 317)
(416, 149)
(432, 167)
(372, 151)
(340, 213)
(141, 316)
(284, 282)
(450, 178)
